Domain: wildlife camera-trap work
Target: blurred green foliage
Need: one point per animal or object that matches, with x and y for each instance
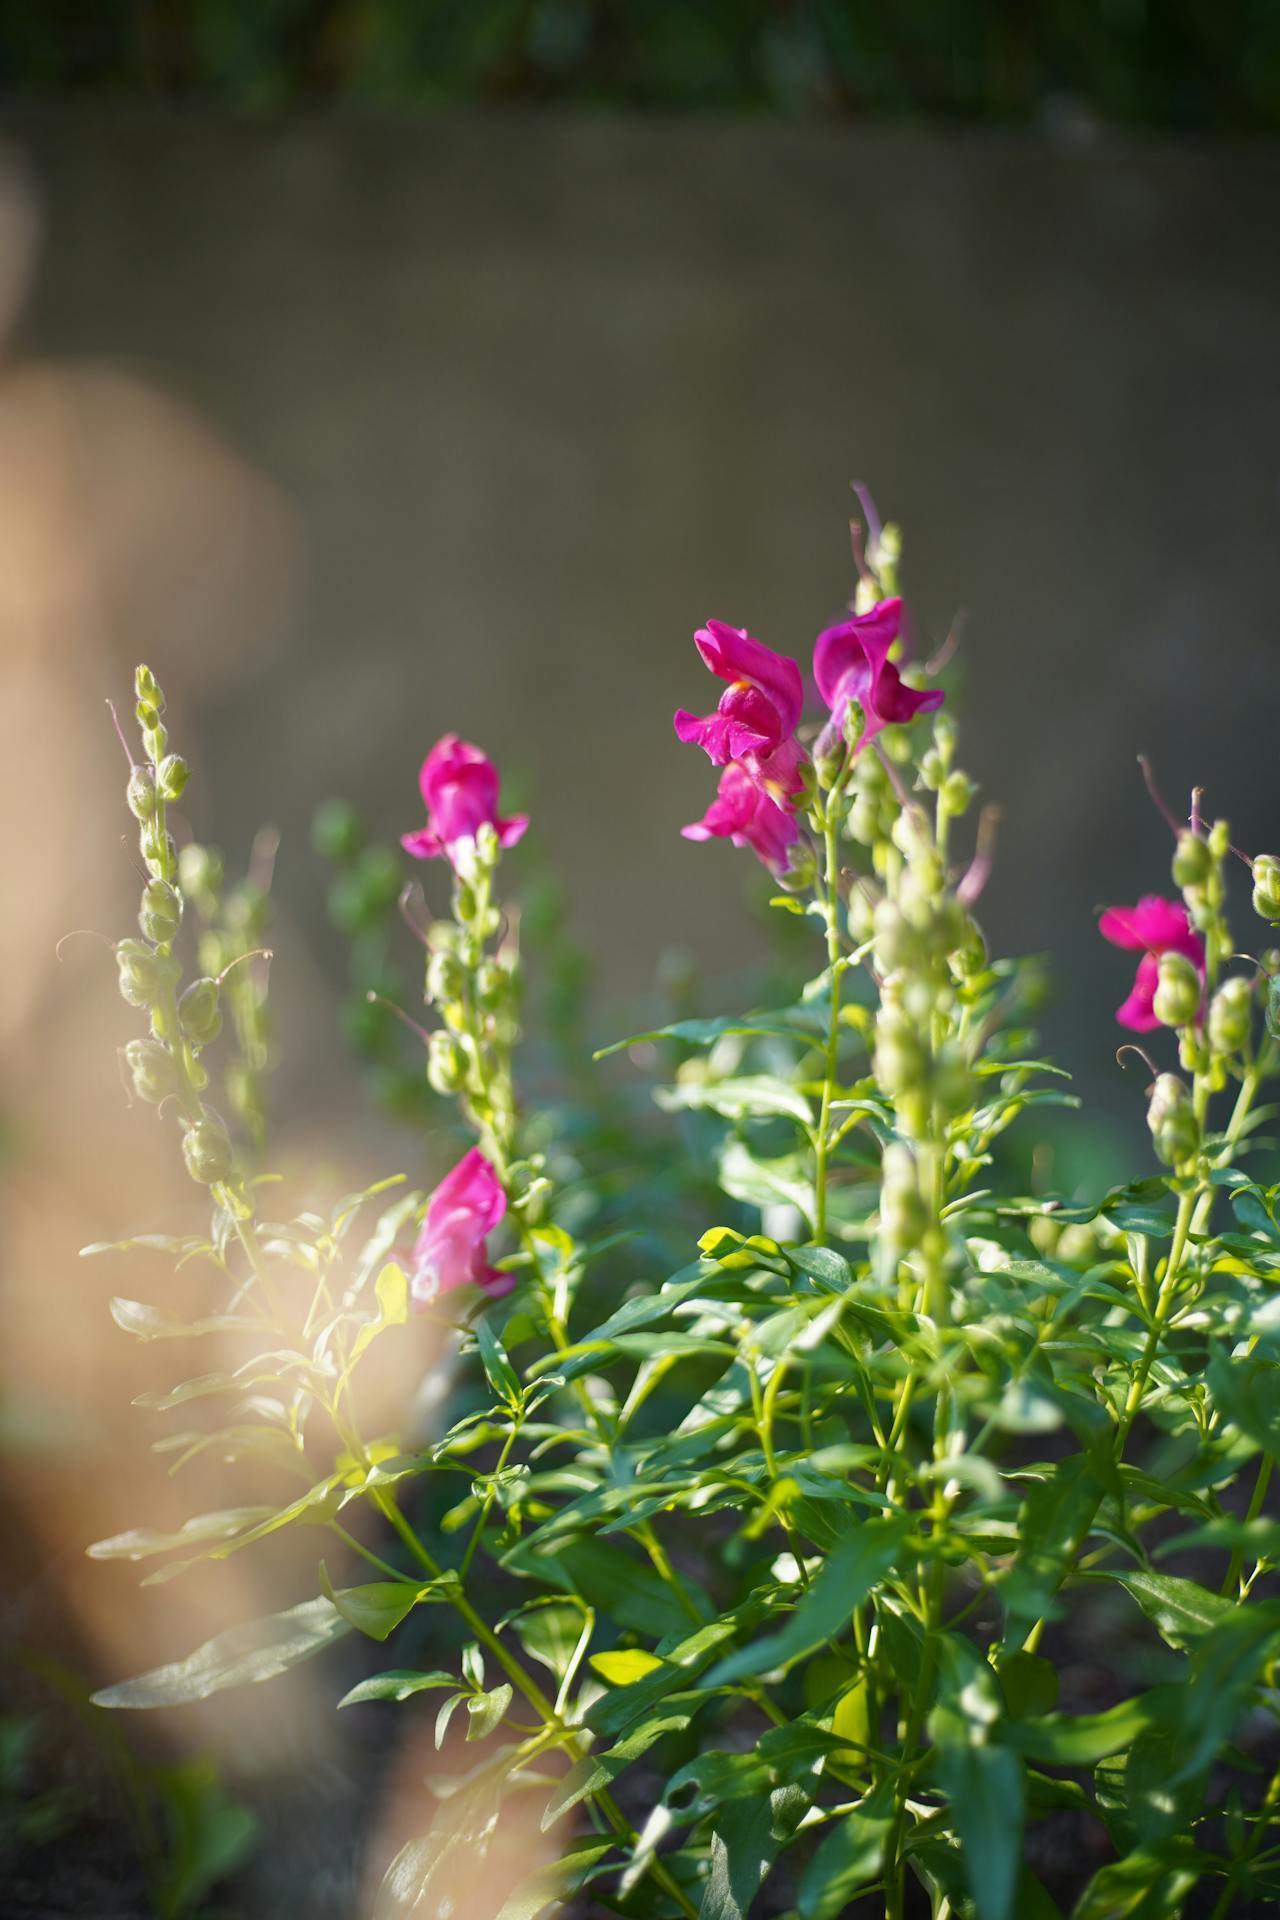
(1174, 63)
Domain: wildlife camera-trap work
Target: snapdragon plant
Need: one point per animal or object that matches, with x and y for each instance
(907, 1550)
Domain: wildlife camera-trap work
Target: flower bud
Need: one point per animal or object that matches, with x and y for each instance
(827, 768)
(903, 1217)
(1177, 996)
(901, 1061)
(1229, 1015)
(1172, 1120)
(933, 770)
(957, 793)
(172, 775)
(445, 978)
(199, 1014)
(160, 912)
(141, 793)
(143, 972)
(207, 1152)
(152, 1067)
(862, 823)
(897, 944)
(146, 687)
(1266, 887)
(158, 850)
(446, 1064)
(1192, 863)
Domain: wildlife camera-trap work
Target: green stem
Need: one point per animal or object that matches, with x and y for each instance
(821, 1144)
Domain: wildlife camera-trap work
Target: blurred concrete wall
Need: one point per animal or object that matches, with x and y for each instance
(529, 398)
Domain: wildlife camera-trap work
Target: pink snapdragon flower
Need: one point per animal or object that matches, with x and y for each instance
(754, 725)
(1153, 927)
(460, 792)
(742, 813)
(450, 1250)
(851, 662)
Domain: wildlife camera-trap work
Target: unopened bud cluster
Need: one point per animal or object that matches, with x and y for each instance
(472, 982)
(166, 1066)
(927, 953)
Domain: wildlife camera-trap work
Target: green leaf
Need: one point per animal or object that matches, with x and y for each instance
(1054, 1522)
(614, 1582)
(1180, 1610)
(621, 1669)
(982, 1780)
(751, 1096)
(375, 1610)
(849, 1858)
(499, 1372)
(423, 1881)
(142, 1542)
(487, 1711)
(392, 1291)
(1247, 1392)
(786, 1181)
(1226, 1665)
(1151, 1884)
(704, 1033)
(1082, 1739)
(154, 1323)
(744, 1844)
(242, 1656)
(398, 1683)
(596, 1770)
(850, 1573)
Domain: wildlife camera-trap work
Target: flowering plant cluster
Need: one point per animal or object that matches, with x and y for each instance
(766, 1583)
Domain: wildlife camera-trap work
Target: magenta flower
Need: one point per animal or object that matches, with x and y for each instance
(1153, 927)
(741, 813)
(851, 662)
(450, 1250)
(460, 792)
(754, 725)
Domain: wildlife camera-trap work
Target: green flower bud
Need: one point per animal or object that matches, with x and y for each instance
(1177, 996)
(903, 1216)
(158, 850)
(160, 912)
(1172, 1121)
(335, 831)
(172, 775)
(445, 979)
(801, 869)
(446, 1064)
(198, 1011)
(827, 769)
(862, 822)
(141, 793)
(897, 944)
(901, 1060)
(155, 1076)
(957, 793)
(146, 687)
(207, 1152)
(1229, 1015)
(1219, 841)
(933, 771)
(143, 972)
(1192, 863)
(1266, 887)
